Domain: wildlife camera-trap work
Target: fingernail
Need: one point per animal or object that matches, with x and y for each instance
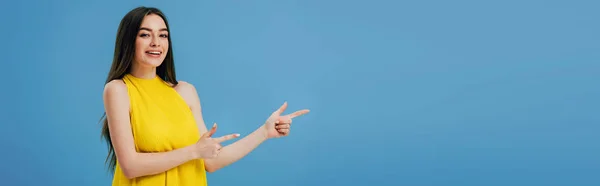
(237, 135)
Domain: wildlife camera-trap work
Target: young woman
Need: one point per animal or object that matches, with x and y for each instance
(153, 123)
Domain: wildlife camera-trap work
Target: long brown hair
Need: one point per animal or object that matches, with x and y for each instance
(123, 58)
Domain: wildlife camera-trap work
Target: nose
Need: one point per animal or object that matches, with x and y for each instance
(154, 42)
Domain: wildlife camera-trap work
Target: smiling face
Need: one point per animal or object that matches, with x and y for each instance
(152, 42)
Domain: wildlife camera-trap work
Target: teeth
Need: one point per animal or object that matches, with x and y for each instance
(154, 53)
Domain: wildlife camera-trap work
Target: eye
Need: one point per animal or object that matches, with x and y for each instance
(164, 35)
(144, 35)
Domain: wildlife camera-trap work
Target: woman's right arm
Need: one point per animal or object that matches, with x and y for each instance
(133, 163)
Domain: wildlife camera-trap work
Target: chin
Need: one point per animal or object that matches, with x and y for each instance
(153, 63)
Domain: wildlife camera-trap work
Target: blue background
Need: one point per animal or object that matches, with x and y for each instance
(401, 93)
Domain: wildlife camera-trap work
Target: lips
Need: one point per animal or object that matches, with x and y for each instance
(154, 53)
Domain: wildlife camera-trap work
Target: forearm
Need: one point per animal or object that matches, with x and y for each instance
(142, 164)
(236, 150)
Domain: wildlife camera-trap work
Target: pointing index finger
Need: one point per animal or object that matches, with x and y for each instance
(298, 113)
(226, 137)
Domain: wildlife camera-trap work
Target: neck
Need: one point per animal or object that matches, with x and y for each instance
(141, 71)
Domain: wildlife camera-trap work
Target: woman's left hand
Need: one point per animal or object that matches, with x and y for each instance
(283, 125)
(278, 125)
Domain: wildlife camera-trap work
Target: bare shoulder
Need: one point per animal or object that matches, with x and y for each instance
(188, 92)
(116, 86)
(184, 86)
(116, 91)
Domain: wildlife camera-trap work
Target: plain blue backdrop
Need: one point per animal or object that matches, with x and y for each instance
(467, 93)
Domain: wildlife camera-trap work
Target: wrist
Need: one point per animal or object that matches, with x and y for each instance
(193, 152)
(263, 132)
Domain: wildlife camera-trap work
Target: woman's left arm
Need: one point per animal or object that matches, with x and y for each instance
(236, 150)
(275, 126)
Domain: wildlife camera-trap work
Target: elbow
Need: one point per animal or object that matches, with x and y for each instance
(210, 170)
(128, 176)
(129, 173)
(131, 166)
(210, 167)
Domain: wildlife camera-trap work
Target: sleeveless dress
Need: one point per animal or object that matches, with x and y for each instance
(161, 121)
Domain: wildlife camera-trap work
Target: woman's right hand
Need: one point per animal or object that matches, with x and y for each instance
(209, 147)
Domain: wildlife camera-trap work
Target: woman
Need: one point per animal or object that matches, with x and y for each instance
(153, 122)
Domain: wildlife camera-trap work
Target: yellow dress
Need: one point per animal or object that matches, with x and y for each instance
(161, 121)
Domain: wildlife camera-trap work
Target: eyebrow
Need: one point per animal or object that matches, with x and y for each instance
(148, 29)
